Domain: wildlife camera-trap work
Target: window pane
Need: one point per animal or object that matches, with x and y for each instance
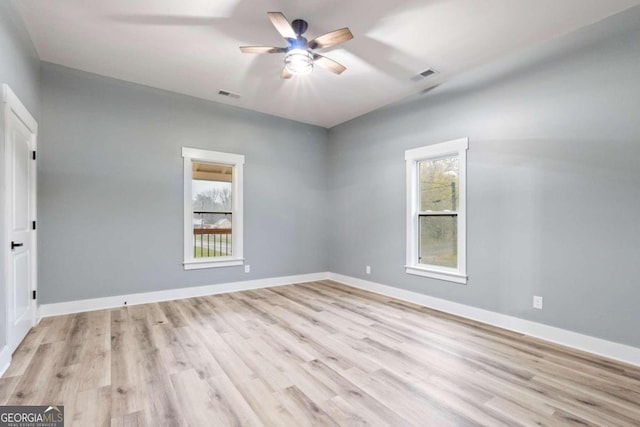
(212, 210)
(439, 240)
(212, 235)
(439, 184)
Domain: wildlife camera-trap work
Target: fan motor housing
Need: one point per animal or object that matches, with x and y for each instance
(299, 43)
(299, 26)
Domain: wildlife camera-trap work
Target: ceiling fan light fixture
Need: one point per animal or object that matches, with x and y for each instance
(299, 57)
(298, 61)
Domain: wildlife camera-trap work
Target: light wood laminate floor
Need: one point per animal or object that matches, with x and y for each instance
(310, 354)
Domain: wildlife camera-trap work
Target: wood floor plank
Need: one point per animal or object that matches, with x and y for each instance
(74, 342)
(343, 413)
(368, 408)
(43, 367)
(196, 354)
(261, 399)
(26, 350)
(90, 407)
(57, 328)
(306, 411)
(195, 403)
(317, 353)
(135, 419)
(64, 384)
(161, 403)
(393, 394)
(305, 336)
(226, 399)
(173, 315)
(548, 400)
(251, 353)
(7, 385)
(229, 361)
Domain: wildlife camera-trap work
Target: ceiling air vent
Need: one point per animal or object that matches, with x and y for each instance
(228, 94)
(426, 73)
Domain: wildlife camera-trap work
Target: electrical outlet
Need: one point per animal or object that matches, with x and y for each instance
(247, 269)
(368, 269)
(537, 302)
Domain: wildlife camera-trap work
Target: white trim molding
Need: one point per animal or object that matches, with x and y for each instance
(236, 161)
(11, 108)
(612, 350)
(80, 306)
(450, 275)
(413, 157)
(5, 359)
(8, 97)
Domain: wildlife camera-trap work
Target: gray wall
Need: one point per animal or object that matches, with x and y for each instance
(553, 192)
(553, 183)
(19, 68)
(111, 191)
(19, 62)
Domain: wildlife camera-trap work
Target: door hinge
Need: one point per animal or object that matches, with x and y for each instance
(34, 294)
(33, 225)
(33, 155)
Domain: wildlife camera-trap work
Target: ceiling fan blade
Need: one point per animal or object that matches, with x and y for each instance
(262, 49)
(285, 74)
(329, 64)
(282, 25)
(331, 39)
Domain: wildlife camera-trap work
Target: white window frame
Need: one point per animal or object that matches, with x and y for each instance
(412, 157)
(236, 161)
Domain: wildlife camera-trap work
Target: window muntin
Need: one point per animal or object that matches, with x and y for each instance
(436, 211)
(212, 208)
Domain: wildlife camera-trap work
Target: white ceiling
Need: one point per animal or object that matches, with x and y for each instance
(191, 47)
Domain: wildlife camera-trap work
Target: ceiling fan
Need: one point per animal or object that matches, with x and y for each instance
(299, 57)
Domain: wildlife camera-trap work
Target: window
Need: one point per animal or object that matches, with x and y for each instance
(436, 211)
(212, 209)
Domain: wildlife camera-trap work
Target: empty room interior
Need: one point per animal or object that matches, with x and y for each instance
(279, 213)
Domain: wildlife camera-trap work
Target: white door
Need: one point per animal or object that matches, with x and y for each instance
(20, 202)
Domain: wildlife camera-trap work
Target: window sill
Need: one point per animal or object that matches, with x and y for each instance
(193, 264)
(450, 276)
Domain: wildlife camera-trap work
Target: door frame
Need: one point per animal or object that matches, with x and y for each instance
(11, 105)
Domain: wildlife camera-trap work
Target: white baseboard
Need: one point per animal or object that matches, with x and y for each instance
(56, 309)
(612, 350)
(5, 359)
